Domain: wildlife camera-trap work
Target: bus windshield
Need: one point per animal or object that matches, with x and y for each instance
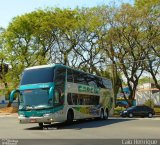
(38, 75)
(35, 99)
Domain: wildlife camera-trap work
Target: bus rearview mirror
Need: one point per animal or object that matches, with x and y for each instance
(51, 90)
(13, 95)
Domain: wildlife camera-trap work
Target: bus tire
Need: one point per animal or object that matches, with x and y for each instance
(70, 117)
(40, 125)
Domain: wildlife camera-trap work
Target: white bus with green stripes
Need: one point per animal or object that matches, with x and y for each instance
(58, 93)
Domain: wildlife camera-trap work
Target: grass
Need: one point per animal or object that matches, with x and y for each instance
(117, 110)
(157, 110)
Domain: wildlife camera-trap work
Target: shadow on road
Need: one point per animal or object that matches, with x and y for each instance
(81, 124)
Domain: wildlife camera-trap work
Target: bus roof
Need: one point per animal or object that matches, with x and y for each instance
(39, 66)
(54, 65)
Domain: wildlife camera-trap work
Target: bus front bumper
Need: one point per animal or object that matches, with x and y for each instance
(35, 119)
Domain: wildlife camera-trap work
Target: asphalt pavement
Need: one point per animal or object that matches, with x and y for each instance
(113, 128)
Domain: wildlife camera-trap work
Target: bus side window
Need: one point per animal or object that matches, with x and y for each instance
(96, 100)
(60, 74)
(99, 82)
(75, 99)
(57, 98)
(70, 75)
(81, 100)
(91, 81)
(69, 99)
(80, 78)
(107, 83)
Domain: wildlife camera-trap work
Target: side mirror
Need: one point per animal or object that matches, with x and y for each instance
(51, 91)
(12, 95)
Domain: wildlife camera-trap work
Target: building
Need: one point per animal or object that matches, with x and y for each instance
(146, 92)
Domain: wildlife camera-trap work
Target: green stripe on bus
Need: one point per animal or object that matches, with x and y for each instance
(40, 113)
(36, 86)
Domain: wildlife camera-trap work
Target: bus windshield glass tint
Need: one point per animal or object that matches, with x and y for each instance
(38, 75)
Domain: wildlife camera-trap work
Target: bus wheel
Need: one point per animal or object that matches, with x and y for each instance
(40, 125)
(102, 114)
(70, 117)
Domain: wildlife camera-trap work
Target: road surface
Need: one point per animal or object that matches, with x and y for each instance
(113, 128)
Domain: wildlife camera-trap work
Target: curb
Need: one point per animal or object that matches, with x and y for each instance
(117, 116)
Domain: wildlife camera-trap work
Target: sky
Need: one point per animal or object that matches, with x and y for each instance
(12, 8)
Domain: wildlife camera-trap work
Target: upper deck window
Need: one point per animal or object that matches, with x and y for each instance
(38, 75)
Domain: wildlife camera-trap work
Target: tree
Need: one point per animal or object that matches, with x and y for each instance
(88, 49)
(150, 103)
(117, 42)
(66, 35)
(145, 80)
(30, 39)
(123, 47)
(150, 11)
(3, 66)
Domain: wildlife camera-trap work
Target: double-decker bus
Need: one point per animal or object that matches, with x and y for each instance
(58, 93)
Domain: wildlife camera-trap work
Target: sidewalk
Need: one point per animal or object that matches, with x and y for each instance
(118, 116)
(157, 115)
(8, 114)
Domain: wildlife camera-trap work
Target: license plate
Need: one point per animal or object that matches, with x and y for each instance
(32, 120)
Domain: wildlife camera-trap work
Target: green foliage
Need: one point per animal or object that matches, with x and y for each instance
(145, 80)
(146, 4)
(157, 110)
(104, 40)
(30, 39)
(150, 103)
(117, 110)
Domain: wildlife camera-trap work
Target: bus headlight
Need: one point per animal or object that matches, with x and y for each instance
(21, 115)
